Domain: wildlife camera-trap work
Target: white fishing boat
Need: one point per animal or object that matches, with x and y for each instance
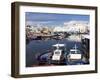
(58, 52)
(56, 56)
(74, 54)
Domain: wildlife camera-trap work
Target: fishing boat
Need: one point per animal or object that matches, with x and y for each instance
(59, 54)
(74, 56)
(56, 56)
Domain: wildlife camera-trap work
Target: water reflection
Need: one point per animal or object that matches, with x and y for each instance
(75, 37)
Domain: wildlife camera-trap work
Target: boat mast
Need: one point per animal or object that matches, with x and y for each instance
(75, 48)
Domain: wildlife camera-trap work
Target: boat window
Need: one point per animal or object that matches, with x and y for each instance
(57, 53)
(73, 52)
(62, 48)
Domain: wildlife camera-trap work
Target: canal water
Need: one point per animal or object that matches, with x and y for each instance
(40, 46)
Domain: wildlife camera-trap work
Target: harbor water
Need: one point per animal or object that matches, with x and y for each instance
(35, 47)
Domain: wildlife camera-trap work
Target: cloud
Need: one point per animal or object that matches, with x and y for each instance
(38, 22)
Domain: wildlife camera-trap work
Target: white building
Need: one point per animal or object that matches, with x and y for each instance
(60, 29)
(73, 27)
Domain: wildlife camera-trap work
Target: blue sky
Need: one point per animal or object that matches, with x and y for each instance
(54, 19)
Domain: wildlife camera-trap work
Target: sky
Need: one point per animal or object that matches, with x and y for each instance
(53, 18)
